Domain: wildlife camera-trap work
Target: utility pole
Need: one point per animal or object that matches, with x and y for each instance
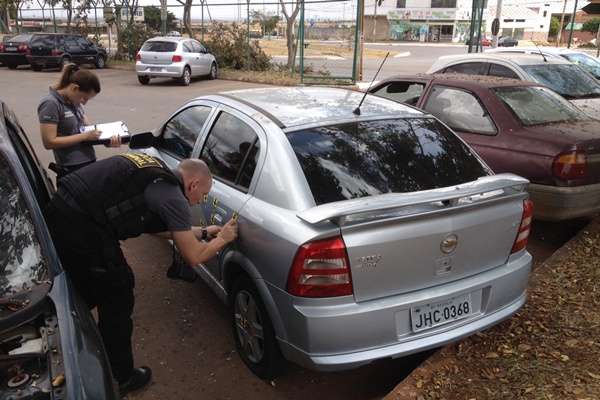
(572, 25)
(598, 42)
(374, 21)
(498, 16)
(163, 17)
(360, 28)
(562, 23)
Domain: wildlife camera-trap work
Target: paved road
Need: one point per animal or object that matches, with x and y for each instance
(181, 329)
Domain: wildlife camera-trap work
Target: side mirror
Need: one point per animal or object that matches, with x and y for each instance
(141, 140)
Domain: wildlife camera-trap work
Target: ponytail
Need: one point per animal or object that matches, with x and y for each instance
(85, 79)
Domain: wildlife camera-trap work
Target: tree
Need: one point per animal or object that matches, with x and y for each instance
(591, 25)
(554, 26)
(289, 32)
(152, 18)
(187, 15)
(267, 22)
(67, 5)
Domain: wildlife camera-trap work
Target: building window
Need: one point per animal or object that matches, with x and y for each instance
(509, 20)
(520, 20)
(545, 13)
(400, 3)
(541, 26)
(443, 3)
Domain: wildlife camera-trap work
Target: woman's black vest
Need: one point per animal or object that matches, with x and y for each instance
(111, 191)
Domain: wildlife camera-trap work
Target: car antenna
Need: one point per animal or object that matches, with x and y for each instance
(541, 54)
(357, 109)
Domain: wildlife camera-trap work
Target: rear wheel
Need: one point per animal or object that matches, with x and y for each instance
(213, 71)
(100, 62)
(253, 332)
(11, 66)
(186, 77)
(144, 80)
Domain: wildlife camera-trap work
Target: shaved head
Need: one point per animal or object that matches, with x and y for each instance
(197, 179)
(194, 169)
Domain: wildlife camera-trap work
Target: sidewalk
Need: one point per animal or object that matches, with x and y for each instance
(549, 350)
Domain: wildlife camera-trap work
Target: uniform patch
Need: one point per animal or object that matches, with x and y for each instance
(142, 160)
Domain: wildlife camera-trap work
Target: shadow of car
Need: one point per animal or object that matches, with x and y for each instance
(49, 344)
(519, 127)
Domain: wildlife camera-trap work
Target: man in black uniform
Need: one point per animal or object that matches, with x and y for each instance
(118, 198)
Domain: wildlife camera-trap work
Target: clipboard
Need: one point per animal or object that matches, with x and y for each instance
(109, 130)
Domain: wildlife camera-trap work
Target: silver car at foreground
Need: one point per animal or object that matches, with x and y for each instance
(360, 237)
(174, 57)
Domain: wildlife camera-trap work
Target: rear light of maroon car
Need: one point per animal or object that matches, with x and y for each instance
(23, 48)
(55, 52)
(524, 227)
(321, 269)
(1, 47)
(177, 59)
(570, 166)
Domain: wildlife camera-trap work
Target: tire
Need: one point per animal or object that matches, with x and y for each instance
(213, 72)
(186, 77)
(143, 79)
(248, 313)
(100, 62)
(64, 61)
(36, 68)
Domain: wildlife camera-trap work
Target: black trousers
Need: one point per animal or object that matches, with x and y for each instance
(93, 260)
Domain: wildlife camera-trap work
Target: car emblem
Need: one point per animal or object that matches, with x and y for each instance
(449, 244)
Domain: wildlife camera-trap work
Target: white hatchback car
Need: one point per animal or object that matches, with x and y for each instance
(174, 57)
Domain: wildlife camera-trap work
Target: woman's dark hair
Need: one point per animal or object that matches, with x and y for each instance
(85, 79)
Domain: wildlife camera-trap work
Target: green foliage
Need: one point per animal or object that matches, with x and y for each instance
(229, 44)
(267, 22)
(152, 19)
(131, 39)
(591, 25)
(554, 26)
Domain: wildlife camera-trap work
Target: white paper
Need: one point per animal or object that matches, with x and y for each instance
(109, 129)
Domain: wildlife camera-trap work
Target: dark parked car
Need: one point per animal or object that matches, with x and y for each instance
(519, 127)
(57, 49)
(507, 41)
(50, 347)
(14, 51)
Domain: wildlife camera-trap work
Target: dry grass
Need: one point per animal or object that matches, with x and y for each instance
(549, 350)
(266, 77)
(279, 48)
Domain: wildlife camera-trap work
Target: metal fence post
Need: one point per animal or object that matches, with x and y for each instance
(301, 34)
(572, 25)
(248, 34)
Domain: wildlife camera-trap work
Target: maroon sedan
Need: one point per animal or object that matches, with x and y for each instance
(517, 127)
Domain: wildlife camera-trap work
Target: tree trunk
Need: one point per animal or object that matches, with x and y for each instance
(291, 43)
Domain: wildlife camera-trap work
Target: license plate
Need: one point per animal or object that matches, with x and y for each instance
(155, 68)
(11, 49)
(431, 315)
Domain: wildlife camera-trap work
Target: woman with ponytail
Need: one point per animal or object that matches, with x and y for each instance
(62, 120)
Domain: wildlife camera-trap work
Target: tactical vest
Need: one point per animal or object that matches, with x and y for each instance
(111, 191)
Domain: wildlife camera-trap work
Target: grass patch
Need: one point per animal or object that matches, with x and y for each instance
(549, 350)
(279, 78)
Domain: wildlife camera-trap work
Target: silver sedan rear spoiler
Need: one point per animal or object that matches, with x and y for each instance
(404, 204)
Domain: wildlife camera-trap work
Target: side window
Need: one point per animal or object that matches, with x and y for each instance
(180, 133)
(231, 142)
(71, 42)
(60, 42)
(460, 110)
(470, 68)
(82, 42)
(403, 92)
(187, 47)
(197, 47)
(502, 71)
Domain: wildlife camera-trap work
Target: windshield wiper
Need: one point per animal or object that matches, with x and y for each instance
(590, 96)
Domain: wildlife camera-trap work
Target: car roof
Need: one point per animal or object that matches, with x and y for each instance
(295, 106)
(547, 50)
(518, 59)
(174, 39)
(463, 80)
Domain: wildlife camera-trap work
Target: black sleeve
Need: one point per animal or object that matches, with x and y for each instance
(166, 200)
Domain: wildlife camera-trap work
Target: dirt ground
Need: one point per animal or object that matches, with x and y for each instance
(279, 48)
(549, 350)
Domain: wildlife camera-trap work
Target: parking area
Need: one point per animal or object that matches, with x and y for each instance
(182, 330)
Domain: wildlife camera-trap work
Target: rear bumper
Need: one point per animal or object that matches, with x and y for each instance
(553, 203)
(348, 335)
(44, 60)
(11, 58)
(174, 70)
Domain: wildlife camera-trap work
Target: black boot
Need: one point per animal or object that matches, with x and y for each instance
(140, 377)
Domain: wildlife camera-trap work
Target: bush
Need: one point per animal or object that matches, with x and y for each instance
(131, 39)
(229, 44)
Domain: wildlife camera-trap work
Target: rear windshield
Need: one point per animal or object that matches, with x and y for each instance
(537, 105)
(161, 47)
(361, 159)
(43, 40)
(21, 38)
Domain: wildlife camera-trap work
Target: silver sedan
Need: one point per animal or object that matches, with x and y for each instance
(174, 57)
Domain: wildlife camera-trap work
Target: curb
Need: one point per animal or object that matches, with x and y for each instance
(410, 387)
